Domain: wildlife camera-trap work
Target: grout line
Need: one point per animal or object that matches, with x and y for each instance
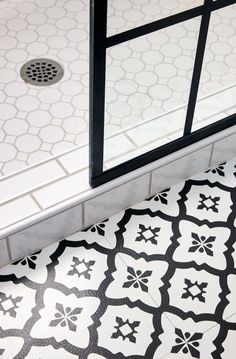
(211, 154)
(150, 183)
(28, 193)
(62, 167)
(83, 214)
(229, 316)
(8, 248)
(131, 140)
(36, 201)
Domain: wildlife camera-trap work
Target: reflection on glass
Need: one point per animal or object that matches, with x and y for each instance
(147, 88)
(217, 90)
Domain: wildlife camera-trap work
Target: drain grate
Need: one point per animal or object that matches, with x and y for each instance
(41, 72)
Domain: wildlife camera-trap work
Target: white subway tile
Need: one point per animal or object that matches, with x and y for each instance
(200, 124)
(116, 199)
(30, 179)
(180, 170)
(76, 160)
(216, 103)
(62, 189)
(157, 128)
(136, 152)
(17, 210)
(117, 145)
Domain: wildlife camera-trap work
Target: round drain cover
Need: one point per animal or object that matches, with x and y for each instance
(41, 72)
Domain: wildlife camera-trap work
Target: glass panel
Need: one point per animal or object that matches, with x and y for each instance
(217, 90)
(127, 14)
(147, 88)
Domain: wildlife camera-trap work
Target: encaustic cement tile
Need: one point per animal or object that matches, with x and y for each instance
(154, 281)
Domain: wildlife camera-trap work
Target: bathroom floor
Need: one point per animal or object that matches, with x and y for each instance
(157, 280)
(148, 79)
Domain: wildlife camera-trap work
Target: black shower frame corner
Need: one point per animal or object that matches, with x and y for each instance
(99, 43)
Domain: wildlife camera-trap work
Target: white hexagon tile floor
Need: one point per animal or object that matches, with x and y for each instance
(145, 78)
(157, 280)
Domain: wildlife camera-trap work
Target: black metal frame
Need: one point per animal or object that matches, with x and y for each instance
(99, 43)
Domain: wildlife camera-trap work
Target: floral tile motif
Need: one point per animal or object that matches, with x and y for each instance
(202, 244)
(34, 266)
(224, 173)
(157, 280)
(125, 330)
(137, 280)
(83, 269)
(16, 304)
(166, 201)
(186, 338)
(194, 291)
(146, 234)
(66, 317)
(103, 233)
(208, 203)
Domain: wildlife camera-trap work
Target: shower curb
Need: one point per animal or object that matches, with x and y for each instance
(50, 224)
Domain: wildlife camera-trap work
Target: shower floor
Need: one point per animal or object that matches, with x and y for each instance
(157, 280)
(147, 80)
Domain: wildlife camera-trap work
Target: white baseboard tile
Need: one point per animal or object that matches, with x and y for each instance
(46, 232)
(180, 170)
(4, 256)
(117, 199)
(224, 149)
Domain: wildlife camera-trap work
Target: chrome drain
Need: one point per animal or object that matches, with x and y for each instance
(41, 72)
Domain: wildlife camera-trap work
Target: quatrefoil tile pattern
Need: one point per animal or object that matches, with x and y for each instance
(157, 280)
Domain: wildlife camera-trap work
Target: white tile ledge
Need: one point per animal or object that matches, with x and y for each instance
(79, 198)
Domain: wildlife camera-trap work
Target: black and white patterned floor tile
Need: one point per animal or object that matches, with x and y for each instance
(155, 281)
